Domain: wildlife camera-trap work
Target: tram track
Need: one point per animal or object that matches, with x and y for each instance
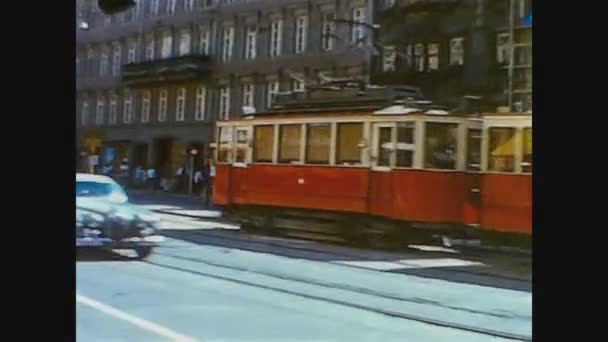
(322, 254)
(342, 287)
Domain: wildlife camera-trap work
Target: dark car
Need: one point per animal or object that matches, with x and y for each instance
(105, 218)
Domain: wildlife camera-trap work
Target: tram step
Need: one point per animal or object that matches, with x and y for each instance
(306, 226)
(314, 236)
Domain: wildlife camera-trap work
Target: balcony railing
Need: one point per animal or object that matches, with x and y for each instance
(174, 69)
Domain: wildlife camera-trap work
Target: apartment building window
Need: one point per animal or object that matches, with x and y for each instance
(184, 42)
(199, 107)
(389, 58)
(136, 11)
(328, 31)
(204, 41)
(358, 31)
(162, 105)
(167, 45)
(84, 114)
(113, 109)
(457, 51)
(419, 57)
(149, 47)
(107, 20)
(389, 3)
(180, 104)
(250, 42)
(432, 56)
(127, 112)
(145, 105)
(99, 114)
(103, 62)
(132, 51)
(116, 61)
(224, 103)
(188, 5)
(89, 62)
(297, 86)
(248, 93)
(502, 48)
(273, 89)
(170, 7)
(301, 33)
(228, 43)
(154, 6)
(276, 37)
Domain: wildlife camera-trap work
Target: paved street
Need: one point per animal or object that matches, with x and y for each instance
(211, 283)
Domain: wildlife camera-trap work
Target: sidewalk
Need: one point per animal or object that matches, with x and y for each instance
(174, 204)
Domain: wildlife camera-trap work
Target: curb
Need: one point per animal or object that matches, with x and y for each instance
(189, 215)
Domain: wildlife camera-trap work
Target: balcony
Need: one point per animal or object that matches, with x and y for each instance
(176, 69)
(427, 5)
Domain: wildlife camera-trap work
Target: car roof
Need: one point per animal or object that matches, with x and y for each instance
(88, 177)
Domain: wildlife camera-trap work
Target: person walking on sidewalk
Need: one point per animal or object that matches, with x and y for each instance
(210, 176)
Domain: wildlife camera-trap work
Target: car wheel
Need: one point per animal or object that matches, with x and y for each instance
(143, 252)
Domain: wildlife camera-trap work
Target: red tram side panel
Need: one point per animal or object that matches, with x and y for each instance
(506, 203)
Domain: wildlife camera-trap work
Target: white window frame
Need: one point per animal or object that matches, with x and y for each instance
(429, 56)
(298, 86)
(502, 50)
(328, 29)
(227, 43)
(103, 61)
(276, 37)
(163, 99)
(271, 90)
(127, 112)
(146, 100)
(251, 42)
(84, 114)
(132, 53)
(224, 109)
(200, 104)
(248, 95)
(113, 113)
(204, 41)
(116, 59)
(389, 58)
(180, 104)
(301, 33)
(150, 44)
(185, 42)
(359, 14)
(100, 110)
(170, 9)
(188, 5)
(167, 45)
(454, 58)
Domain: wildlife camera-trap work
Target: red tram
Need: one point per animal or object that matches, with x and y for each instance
(375, 167)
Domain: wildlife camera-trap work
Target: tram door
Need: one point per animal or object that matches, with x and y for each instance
(472, 207)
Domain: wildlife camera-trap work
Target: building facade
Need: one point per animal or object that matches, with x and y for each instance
(455, 48)
(153, 80)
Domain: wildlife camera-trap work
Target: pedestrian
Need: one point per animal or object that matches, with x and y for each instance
(198, 182)
(152, 179)
(210, 171)
(140, 177)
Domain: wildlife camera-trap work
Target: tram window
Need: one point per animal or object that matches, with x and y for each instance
(385, 146)
(474, 149)
(440, 146)
(263, 143)
(347, 149)
(224, 154)
(289, 143)
(242, 146)
(501, 156)
(317, 143)
(526, 165)
(405, 144)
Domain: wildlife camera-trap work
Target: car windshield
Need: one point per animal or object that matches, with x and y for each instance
(95, 189)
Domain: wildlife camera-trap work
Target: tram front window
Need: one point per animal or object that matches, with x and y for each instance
(385, 144)
(440, 146)
(242, 146)
(317, 143)
(289, 143)
(405, 144)
(263, 143)
(501, 156)
(526, 165)
(474, 149)
(224, 154)
(347, 149)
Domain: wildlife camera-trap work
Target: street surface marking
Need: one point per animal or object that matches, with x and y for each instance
(433, 249)
(141, 323)
(158, 207)
(409, 264)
